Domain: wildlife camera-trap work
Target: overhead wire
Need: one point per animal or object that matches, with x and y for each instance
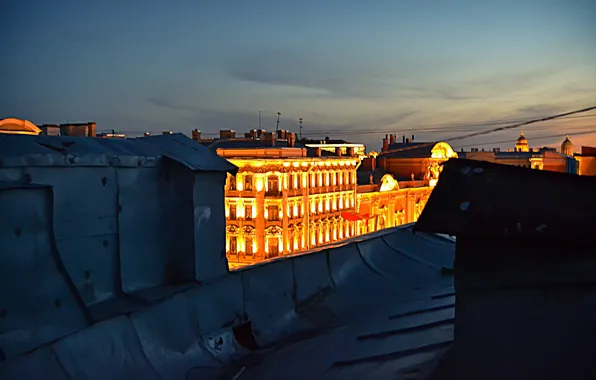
(580, 133)
(493, 130)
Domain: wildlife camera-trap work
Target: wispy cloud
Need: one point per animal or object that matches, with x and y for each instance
(165, 103)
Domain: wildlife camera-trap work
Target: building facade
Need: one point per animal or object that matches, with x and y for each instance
(279, 206)
(535, 158)
(288, 199)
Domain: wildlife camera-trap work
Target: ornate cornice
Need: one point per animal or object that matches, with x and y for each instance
(273, 230)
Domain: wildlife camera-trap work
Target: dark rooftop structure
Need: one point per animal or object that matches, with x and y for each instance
(525, 270)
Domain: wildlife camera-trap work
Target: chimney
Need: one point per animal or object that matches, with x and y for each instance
(373, 163)
(166, 133)
(407, 141)
(91, 129)
(291, 140)
(350, 151)
(227, 134)
(318, 152)
(269, 138)
(338, 151)
(147, 134)
(385, 144)
(392, 139)
(403, 139)
(196, 134)
(412, 138)
(462, 150)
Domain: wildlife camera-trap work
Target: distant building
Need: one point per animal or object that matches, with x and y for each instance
(522, 144)
(567, 147)
(289, 196)
(111, 135)
(78, 129)
(18, 126)
(409, 160)
(525, 156)
(332, 146)
(586, 160)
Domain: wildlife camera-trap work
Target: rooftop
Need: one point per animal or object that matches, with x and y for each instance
(40, 150)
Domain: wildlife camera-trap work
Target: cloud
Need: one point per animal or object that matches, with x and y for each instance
(165, 103)
(328, 79)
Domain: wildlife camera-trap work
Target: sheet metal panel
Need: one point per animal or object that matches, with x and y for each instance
(209, 225)
(144, 230)
(36, 303)
(86, 228)
(268, 300)
(170, 338)
(107, 350)
(27, 151)
(40, 364)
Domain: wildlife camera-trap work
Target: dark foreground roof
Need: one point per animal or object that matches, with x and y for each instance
(477, 198)
(41, 150)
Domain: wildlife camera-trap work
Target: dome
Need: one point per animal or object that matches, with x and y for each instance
(522, 139)
(522, 143)
(567, 147)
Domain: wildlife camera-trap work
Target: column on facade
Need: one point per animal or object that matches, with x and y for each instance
(285, 219)
(260, 222)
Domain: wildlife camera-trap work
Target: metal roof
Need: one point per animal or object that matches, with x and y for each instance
(27, 151)
(477, 198)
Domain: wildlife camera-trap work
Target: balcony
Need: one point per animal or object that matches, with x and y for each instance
(330, 189)
(273, 193)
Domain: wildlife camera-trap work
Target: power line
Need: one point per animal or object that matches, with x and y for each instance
(533, 138)
(437, 128)
(483, 133)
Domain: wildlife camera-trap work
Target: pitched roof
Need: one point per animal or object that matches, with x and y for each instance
(22, 150)
(477, 198)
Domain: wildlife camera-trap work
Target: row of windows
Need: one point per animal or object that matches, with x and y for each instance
(274, 212)
(296, 181)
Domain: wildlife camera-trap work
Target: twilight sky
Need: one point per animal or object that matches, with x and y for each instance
(351, 69)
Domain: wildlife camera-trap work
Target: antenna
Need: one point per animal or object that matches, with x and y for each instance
(259, 119)
(300, 121)
(277, 127)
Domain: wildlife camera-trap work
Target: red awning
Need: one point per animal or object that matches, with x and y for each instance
(350, 216)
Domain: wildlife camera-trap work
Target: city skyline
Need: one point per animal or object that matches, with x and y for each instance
(350, 69)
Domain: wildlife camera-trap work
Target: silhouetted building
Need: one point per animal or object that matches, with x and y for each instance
(525, 270)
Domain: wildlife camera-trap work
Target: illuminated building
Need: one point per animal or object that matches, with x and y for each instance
(18, 126)
(525, 156)
(287, 197)
(331, 146)
(282, 201)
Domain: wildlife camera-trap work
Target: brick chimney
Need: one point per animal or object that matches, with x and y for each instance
(291, 140)
(196, 135)
(392, 139)
(386, 143)
(350, 151)
(269, 138)
(338, 151)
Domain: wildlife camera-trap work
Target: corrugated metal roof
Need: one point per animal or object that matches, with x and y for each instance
(26, 151)
(477, 198)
